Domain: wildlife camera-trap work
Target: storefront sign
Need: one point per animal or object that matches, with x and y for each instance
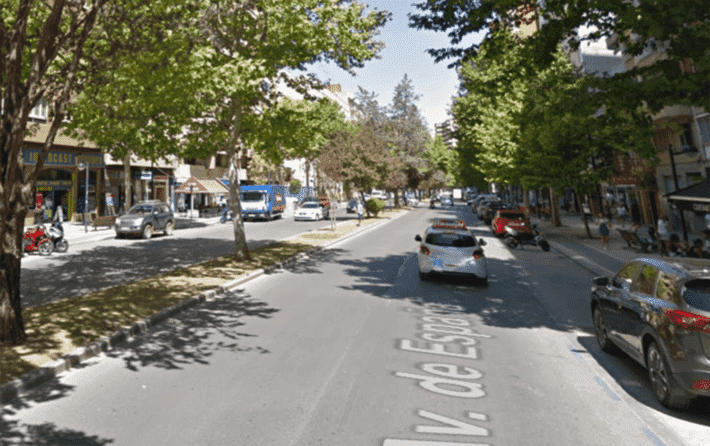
(701, 207)
(53, 183)
(146, 175)
(92, 160)
(53, 158)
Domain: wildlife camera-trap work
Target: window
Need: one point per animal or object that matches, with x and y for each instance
(646, 282)
(697, 294)
(39, 112)
(626, 276)
(686, 138)
(454, 240)
(667, 288)
(704, 127)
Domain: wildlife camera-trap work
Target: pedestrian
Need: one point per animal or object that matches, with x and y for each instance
(706, 242)
(707, 220)
(664, 235)
(59, 214)
(360, 210)
(603, 231)
(622, 214)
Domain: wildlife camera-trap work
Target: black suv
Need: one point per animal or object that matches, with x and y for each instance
(145, 218)
(658, 312)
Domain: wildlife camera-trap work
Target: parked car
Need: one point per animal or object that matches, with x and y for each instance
(323, 202)
(309, 211)
(352, 207)
(447, 201)
(449, 248)
(658, 313)
(144, 219)
(503, 217)
(488, 210)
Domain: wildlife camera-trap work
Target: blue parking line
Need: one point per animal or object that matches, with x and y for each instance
(649, 433)
(607, 388)
(575, 353)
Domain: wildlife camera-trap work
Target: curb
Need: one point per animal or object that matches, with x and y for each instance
(50, 370)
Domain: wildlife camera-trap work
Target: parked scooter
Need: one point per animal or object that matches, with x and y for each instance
(227, 215)
(524, 235)
(56, 234)
(431, 204)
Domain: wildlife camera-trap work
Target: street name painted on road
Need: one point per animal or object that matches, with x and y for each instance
(440, 331)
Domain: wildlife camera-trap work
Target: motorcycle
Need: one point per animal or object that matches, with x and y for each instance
(56, 234)
(227, 215)
(36, 239)
(524, 235)
(431, 205)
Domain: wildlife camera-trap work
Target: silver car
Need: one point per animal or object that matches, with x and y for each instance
(449, 248)
(144, 219)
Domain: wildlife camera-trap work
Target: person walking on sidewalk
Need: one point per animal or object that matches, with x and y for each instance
(622, 214)
(603, 231)
(360, 211)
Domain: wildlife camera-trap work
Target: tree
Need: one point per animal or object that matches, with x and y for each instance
(677, 29)
(444, 161)
(231, 57)
(41, 46)
(357, 155)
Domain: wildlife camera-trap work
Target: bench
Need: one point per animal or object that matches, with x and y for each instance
(632, 240)
(106, 220)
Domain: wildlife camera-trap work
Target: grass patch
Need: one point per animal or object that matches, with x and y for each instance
(57, 328)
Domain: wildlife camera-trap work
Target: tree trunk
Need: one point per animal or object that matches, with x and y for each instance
(241, 253)
(526, 201)
(584, 215)
(555, 208)
(12, 328)
(127, 202)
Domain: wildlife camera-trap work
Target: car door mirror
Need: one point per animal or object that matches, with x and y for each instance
(418, 238)
(600, 281)
(482, 242)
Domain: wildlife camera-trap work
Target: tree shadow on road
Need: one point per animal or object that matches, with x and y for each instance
(20, 434)
(190, 336)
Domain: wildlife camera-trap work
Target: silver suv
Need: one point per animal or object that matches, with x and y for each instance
(144, 219)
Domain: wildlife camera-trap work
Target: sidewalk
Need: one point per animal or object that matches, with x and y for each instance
(573, 229)
(75, 233)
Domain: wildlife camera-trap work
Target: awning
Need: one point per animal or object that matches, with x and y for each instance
(202, 186)
(692, 198)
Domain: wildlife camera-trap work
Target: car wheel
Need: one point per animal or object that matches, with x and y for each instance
(268, 216)
(169, 228)
(664, 387)
(544, 245)
(601, 333)
(119, 235)
(511, 242)
(423, 276)
(147, 232)
(483, 282)
(45, 248)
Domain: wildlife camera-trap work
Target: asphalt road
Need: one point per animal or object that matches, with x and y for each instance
(349, 347)
(96, 265)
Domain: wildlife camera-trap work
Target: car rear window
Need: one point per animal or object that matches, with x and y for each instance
(512, 216)
(697, 294)
(454, 240)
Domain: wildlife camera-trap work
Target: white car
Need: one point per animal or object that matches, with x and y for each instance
(309, 211)
(449, 248)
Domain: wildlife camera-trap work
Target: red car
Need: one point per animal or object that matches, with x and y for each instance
(505, 217)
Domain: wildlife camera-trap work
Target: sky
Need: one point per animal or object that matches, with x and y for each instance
(404, 53)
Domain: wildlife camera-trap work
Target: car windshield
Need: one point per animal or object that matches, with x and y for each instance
(697, 294)
(310, 206)
(140, 209)
(252, 196)
(454, 240)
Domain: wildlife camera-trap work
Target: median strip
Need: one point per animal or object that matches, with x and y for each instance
(65, 332)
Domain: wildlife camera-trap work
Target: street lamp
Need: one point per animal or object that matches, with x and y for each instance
(192, 201)
(688, 149)
(81, 166)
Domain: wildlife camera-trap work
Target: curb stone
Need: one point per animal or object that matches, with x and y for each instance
(50, 370)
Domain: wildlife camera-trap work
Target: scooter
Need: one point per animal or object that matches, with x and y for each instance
(431, 205)
(227, 215)
(524, 235)
(56, 234)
